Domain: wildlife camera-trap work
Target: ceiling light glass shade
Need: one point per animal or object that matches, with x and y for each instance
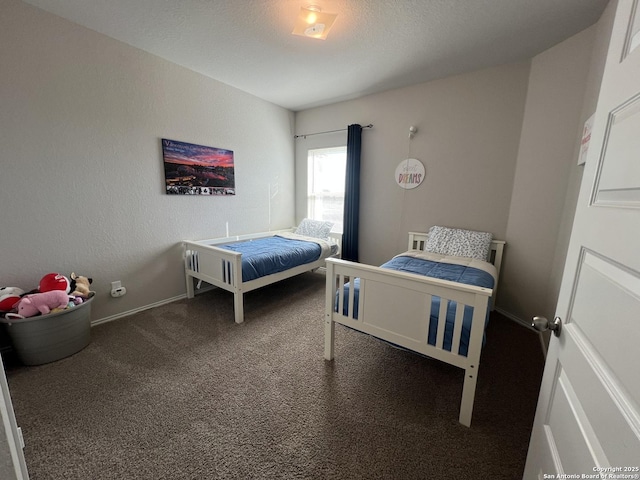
(314, 23)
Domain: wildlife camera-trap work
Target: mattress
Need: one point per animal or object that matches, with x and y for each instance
(266, 256)
(455, 269)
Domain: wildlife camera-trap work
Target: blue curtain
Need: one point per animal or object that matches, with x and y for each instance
(351, 215)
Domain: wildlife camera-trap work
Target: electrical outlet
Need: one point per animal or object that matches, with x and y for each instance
(117, 290)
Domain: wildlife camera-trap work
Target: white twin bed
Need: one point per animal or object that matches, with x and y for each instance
(235, 264)
(399, 302)
(440, 318)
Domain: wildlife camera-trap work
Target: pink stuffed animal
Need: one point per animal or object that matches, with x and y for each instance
(42, 303)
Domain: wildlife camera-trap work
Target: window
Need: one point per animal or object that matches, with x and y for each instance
(326, 176)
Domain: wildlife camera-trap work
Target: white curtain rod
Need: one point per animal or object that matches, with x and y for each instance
(330, 131)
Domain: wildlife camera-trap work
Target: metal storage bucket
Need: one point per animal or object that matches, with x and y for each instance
(47, 338)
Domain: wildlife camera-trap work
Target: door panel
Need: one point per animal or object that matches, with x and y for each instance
(600, 320)
(618, 181)
(602, 404)
(573, 440)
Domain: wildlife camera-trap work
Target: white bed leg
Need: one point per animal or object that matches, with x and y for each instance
(468, 395)
(190, 292)
(329, 325)
(238, 307)
(329, 338)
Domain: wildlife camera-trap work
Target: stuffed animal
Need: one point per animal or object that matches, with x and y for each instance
(75, 301)
(80, 286)
(9, 296)
(54, 281)
(42, 303)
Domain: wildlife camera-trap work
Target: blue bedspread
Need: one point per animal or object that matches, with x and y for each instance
(265, 256)
(443, 271)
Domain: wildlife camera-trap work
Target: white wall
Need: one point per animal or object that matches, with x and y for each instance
(544, 188)
(82, 181)
(602, 32)
(468, 133)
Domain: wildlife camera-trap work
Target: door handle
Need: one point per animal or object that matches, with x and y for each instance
(542, 324)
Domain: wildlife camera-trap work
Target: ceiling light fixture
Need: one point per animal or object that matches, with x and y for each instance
(312, 22)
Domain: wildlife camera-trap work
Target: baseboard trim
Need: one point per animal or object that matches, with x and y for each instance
(515, 318)
(120, 315)
(117, 316)
(525, 324)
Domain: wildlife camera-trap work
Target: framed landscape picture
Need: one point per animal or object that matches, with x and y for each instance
(191, 169)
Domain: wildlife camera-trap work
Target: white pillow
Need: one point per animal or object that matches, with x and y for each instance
(314, 228)
(459, 243)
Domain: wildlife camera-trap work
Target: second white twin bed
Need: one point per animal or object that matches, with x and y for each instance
(433, 302)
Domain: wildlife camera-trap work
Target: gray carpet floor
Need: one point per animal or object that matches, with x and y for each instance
(182, 392)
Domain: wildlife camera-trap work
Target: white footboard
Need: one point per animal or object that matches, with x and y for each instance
(218, 267)
(222, 268)
(396, 307)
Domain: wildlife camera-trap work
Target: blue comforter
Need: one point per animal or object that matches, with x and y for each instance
(265, 256)
(443, 271)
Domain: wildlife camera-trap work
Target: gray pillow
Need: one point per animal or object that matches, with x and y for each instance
(460, 243)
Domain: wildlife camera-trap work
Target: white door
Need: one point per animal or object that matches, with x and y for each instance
(588, 417)
(12, 464)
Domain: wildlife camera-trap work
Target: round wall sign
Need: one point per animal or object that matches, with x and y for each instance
(410, 173)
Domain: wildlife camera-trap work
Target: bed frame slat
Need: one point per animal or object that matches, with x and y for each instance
(352, 306)
(341, 283)
(428, 300)
(457, 328)
(442, 321)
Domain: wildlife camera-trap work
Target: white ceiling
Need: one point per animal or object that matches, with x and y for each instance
(375, 45)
